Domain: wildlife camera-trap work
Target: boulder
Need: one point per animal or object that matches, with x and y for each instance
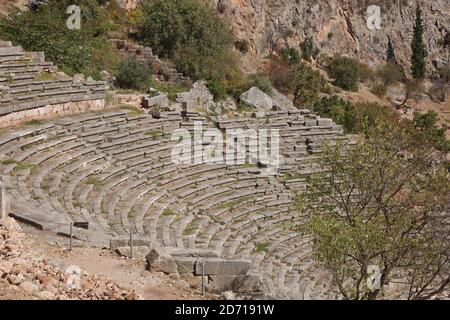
(107, 77)
(198, 97)
(281, 102)
(324, 122)
(228, 105)
(160, 100)
(78, 78)
(161, 260)
(29, 287)
(229, 295)
(257, 98)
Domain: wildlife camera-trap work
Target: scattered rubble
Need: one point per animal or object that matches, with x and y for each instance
(23, 269)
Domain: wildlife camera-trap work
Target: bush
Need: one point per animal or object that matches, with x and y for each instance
(427, 125)
(379, 89)
(279, 73)
(192, 34)
(390, 73)
(262, 82)
(133, 74)
(290, 55)
(44, 29)
(352, 117)
(366, 73)
(346, 73)
(341, 111)
(307, 47)
(242, 45)
(305, 84)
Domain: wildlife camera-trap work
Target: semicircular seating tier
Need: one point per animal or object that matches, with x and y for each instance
(113, 172)
(31, 88)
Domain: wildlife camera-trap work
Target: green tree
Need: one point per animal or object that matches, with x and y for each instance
(305, 84)
(427, 125)
(341, 111)
(192, 35)
(133, 74)
(262, 82)
(419, 51)
(346, 72)
(382, 202)
(290, 55)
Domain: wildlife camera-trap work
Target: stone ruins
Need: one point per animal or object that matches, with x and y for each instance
(109, 172)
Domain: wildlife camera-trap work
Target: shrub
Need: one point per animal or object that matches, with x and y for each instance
(346, 72)
(242, 45)
(192, 34)
(278, 73)
(379, 89)
(427, 125)
(305, 84)
(290, 55)
(366, 73)
(307, 47)
(352, 117)
(262, 82)
(341, 111)
(390, 73)
(133, 74)
(44, 29)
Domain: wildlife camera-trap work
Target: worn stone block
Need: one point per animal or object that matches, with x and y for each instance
(239, 284)
(160, 260)
(223, 267)
(185, 264)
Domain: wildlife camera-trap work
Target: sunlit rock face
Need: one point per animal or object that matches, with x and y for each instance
(360, 28)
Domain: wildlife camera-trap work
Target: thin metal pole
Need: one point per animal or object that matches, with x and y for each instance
(203, 277)
(131, 244)
(71, 236)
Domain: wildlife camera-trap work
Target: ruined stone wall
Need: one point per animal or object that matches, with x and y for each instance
(52, 111)
(161, 69)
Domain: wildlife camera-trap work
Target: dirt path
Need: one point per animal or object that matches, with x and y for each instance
(128, 273)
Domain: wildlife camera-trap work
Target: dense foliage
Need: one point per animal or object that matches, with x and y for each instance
(419, 51)
(345, 72)
(305, 84)
(192, 35)
(44, 29)
(133, 74)
(371, 207)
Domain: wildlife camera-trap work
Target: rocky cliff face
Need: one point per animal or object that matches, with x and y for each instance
(339, 26)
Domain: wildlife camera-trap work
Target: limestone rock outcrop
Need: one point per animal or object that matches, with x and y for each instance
(338, 26)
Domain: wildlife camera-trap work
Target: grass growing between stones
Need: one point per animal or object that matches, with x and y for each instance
(234, 203)
(23, 166)
(262, 246)
(34, 122)
(154, 133)
(133, 110)
(9, 162)
(94, 181)
(190, 230)
(168, 212)
(132, 213)
(170, 90)
(44, 76)
(289, 176)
